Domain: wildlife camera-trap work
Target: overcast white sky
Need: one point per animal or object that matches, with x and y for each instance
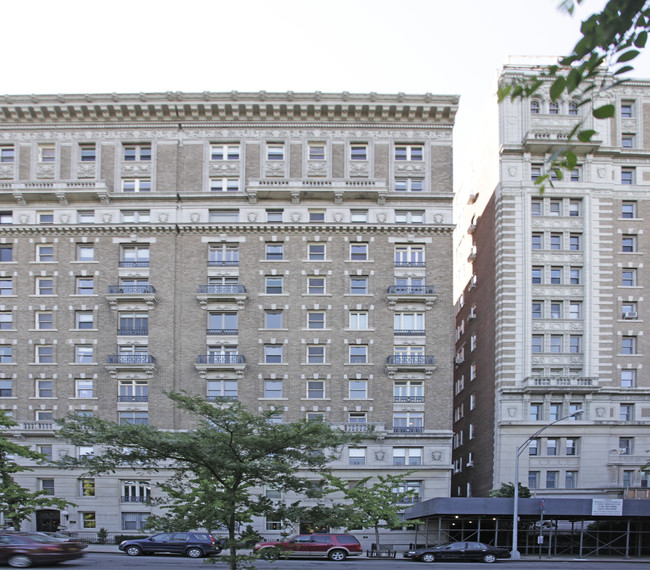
(414, 46)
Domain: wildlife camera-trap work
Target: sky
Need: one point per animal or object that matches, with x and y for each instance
(443, 47)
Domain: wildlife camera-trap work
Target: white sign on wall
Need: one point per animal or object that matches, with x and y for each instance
(607, 507)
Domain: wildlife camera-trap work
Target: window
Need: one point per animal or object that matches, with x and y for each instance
(87, 152)
(359, 252)
(536, 207)
(316, 252)
(627, 109)
(134, 256)
(553, 108)
(85, 252)
(556, 241)
(6, 354)
(134, 418)
(535, 107)
(358, 285)
(628, 244)
(136, 185)
(274, 216)
(224, 152)
(628, 277)
(574, 242)
(409, 152)
(47, 486)
(571, 446)
(316, 151)
(533, 479)
(83, 354)
(628, 378)
(44, 389)
(85, 286)
(409, 216)
(6, 253)
(408, 422)
(628, 210)
(273, 319)
(358, 389)
(575, 344)
(133, 152)
(358, 417)
(46, 153)
(316, 354)
(273, 353)
(571, 480)
(45, 218)
(273, 285)
(275, 151)
(134, 521)
(556, 310)
(133, 391)
(222, 389)
(133, 323)
(317, 216)
(358, 151)
(44, 286)
(7, 154)
(537, 273)
(6, 388)
(6, 320)
(628, 175)
(86, 217)
(536, 241)
(556, 275)
(45, 450)
(224, 184)
(44, 354)
(223, 254)
(316, 285)
(556, 343)
(408, 323)
(84, 320)
(626, 445)
(535, 412)
(316, 320)
(359, 216)
(358, 354)
(628, 345)
(537, 343)
(407, 456)
(575, 310)
(44, 416)
(409, 185)
(533, 447)
(274, 251)
(84, 388)
(409, 256)
(551, 446)
(273, 389)
(574, 276)
(44, 253)
(629, 310)
(573, 409)
(315, 389)
(555, 208)
(627, 141)
(551, 479)
(6, 218)
(575, 208)
(223, 216)
(536, 171)
(356, 456)
(136, 216)
(358, 320)
(626, 413)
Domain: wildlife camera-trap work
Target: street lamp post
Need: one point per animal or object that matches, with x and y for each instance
(514, 553)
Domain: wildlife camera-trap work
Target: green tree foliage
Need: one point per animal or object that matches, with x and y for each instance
(372, 503)
(217, 465)
(507, 490)
(16, 502)
(610, 41)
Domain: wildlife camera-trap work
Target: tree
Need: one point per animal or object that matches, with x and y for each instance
(373, 506)
(611, 39)
(507, 490)
(217, 465)
(16, 502)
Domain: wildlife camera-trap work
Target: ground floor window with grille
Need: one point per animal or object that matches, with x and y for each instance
(412, 490)
(133, 521)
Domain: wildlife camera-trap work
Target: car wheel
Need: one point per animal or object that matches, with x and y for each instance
(19, 561)
(428, 557)
(489, 558)
(337, 555)
(133, 550)
(194, 552)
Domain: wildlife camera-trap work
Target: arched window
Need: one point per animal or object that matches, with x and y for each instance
(535, 107)
(554, 108)
(573, 108)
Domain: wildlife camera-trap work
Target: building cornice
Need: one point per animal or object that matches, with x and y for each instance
(224, 109)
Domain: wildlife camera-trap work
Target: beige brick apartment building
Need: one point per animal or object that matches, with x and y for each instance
(287, 250)
(551, 319)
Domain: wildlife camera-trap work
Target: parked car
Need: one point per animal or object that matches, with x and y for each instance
(192, 544)
(332, 546)
(474, 551)
(22, 549)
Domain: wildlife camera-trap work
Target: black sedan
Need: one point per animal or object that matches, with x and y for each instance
(466, 551)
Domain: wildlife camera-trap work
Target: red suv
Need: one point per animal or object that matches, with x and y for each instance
(332, 546)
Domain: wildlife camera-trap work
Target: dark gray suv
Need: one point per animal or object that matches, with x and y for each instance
(192, 544)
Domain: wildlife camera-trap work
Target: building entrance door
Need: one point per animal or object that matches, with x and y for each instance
(48, 521)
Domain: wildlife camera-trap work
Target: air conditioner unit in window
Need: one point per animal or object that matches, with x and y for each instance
(472, 315)
(630, 315)
(459, 360)
(470, 464)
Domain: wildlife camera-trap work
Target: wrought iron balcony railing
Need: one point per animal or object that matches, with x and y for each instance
(410, 359)
(220, 359)
(411, 290)
(221, 289)
(131, 290)
(131, 359)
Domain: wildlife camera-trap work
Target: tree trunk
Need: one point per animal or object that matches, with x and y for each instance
(377, 540)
